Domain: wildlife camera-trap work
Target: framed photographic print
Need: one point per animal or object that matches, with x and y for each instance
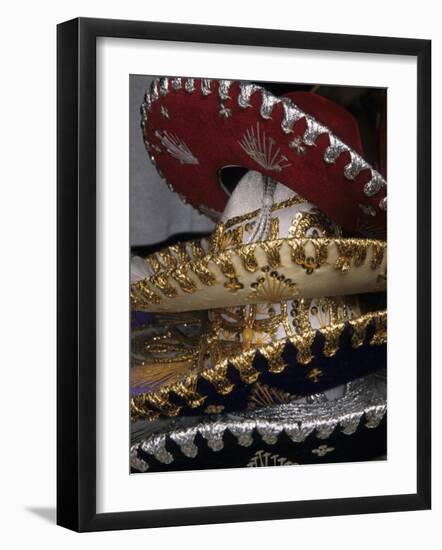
(223, 289)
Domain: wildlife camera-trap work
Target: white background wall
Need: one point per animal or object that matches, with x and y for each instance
(27, 299)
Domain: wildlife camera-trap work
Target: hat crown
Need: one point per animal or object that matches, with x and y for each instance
(289, 215)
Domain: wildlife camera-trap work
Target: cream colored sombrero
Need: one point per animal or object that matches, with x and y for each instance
(299, 254)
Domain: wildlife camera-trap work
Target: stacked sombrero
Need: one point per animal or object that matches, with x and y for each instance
(267, 333)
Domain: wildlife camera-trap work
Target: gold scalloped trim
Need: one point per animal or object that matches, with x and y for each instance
(308, 253)
(151, 405)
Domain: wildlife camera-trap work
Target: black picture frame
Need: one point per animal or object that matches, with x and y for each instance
(76, 272)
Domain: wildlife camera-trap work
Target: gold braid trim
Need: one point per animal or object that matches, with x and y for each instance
(247, 255)
(243, 364)
(203, 272)
(186, 389)
(150, 404)
(154, 263)
(303, 343)
(180, 251)
(217, 376)
(197, 250)
(142, 295)
(161, 281)
(185, 282)
(332, 335)
(273, 354)
(359, 327)
(168, 259)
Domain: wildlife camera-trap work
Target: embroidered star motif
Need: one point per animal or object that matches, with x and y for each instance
(225, 112)
(322, 450)
(314, 374)
(297, 146)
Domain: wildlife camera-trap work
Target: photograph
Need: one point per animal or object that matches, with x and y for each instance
(258, 273)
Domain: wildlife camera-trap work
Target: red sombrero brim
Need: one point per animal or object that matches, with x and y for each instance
(193, 128)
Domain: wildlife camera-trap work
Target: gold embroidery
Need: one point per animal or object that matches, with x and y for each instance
(215, 239)
(350, 249)
(330, 310)
(142, 295)
(310, 254)
(332, 335)
(217, 376)
(149, 403)
(273, 287)
(154, 263)
(228, 270)
(203, 273)
(187, 391)
(359, 327)
(313, 221)
(161, 281)
(222, 240)
(233, 285)
(247, 255)
(273, 353)
(300, 316)
(232, 238)
(309, 263)
(243, 364)
(180, 251)
(185, 282)
(274, 229)
(167, 258)
(315, 374)
(271, 249)
(142, 410)
(380, 334)
(377, 254)
(197, 250)
(303, 344)
(160, 401)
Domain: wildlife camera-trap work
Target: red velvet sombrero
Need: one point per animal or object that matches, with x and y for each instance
(193, 128)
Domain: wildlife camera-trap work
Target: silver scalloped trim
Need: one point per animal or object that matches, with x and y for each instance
(164, 86)
(176, 84)
(157, 447)
(186, 444)
(223, 89)
(355, 166)
(189, 85)
(291, 114)
(153, 91)
(205, 86)
(246, 90)
(334, 150)
(365, 398)
(313, 131)
(374, 185)
(268, 101)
